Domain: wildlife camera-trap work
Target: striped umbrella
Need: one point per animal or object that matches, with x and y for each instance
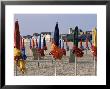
(56, 35)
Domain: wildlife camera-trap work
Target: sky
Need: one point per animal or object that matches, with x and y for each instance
(37, 23)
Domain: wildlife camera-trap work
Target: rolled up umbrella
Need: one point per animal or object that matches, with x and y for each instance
(44, 42)
(94, 42)
(86, 42)
(39, 44)
(20, 42)
(77, 51)
(56, 35)
(30, 44)
(23, 54)
(33, 43)
(36, 44)
(17, 36)
(76, 36)
(42, 45)
(80, 43)
(94, 37)
(60, 43)
(23, 43)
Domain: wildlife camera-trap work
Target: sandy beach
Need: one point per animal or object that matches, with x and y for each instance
(83, 67)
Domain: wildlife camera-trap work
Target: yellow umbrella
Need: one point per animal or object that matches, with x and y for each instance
(94, 37)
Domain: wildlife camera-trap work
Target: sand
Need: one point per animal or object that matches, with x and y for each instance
(83, 67)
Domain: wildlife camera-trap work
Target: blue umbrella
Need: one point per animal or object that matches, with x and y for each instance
(56, 35)
(23, 54)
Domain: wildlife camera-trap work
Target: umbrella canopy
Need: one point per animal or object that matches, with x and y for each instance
(56, 35)
(76, 36)
(17, 36)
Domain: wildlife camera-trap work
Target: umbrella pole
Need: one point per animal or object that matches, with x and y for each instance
(63, 63)
(95, 65)
(16, 68)
(38, 61)
(55, 67)
(52, 60)
(86, 50)
(75, 67)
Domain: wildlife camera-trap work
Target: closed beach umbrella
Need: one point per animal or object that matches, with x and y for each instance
(80, 43)
(56, 35)
(94, 42)
(39, 44)
(20, 42)
(30, 44)
(36, 43)
(94, 37)
(17, 36)
(23, 43)
(60, 43)
(44, 42)
(33, 43)
(76, 36)
(86, 42)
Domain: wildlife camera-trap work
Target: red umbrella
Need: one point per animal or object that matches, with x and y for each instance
(17, 36)
(86, 42)
(23, 43)
(20, 42)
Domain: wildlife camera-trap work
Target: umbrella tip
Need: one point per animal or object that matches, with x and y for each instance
(16, 20)
(57, 22)
(76, 27)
